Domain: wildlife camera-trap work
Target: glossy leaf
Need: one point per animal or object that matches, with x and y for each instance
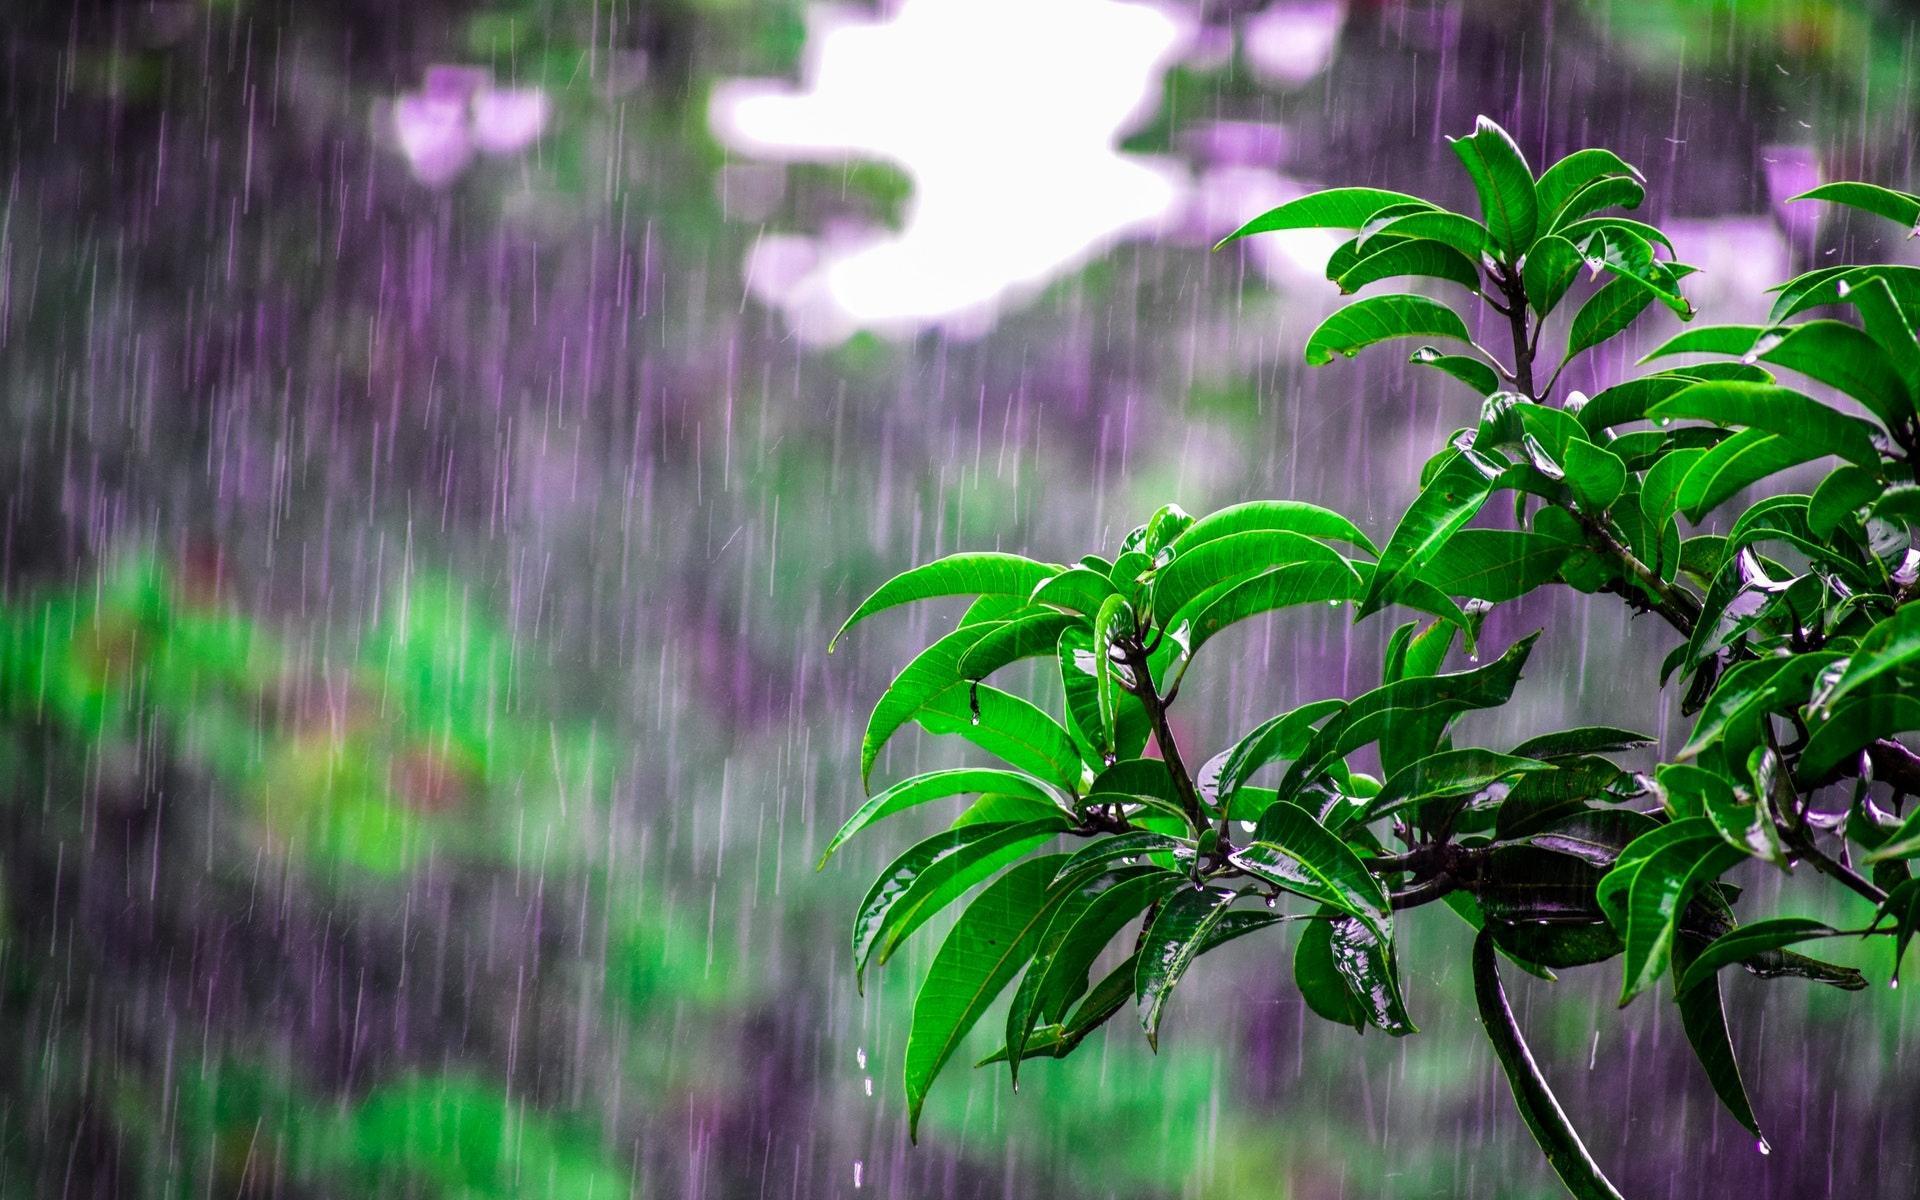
(1867, 197)
(1179, 932)
(1335, 208)
(1467, 369)
(939, 785)
(1378, 319)
(1007, 727)
(1444, 505)
(1559, 182)
(1204, 565)
(1888, 647)
(1704, 1019)
(1294, 852)
(993, 939)
(1290, 516)
(1495, 565)
(1552, 267)
(1750, 942)
(1505, 183)
(1448, 773)
(1605, 313)
(1774, 410)
(956, 575)
(1415, 256)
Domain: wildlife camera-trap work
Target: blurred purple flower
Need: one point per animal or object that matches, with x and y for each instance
(456, 112)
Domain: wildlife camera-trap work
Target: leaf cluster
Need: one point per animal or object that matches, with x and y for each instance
(1795, 647)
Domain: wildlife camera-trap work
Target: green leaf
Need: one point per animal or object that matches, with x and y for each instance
(1754, 687)
(932, 874)
(1843, 357)
(1379, 319)
(1080, 590)
(931, 672)
(1467, 369)
(1462, 234)
(1853, 723)
(1448, 501)
(1236, 556)
(1618, 248)
(1321, 984)
(1708, 339)
(1178, 934)
(1588, 739)
(1281, 737)
(1007, 727)
(1885, 317)
(1291, 516)
(1010, 641)
(1501, 176)
(1218, 607)
(1079, 680)
(1704, 1019)
(1335, 208)
(1750, 942)
(1377, 712)
(1415, 256)
(1294, 852)
(1448, 773)
(1371, 973)
(956, 575)
(1606, 313)
(938, 785)
(1132, 844)
(1542, 1113)
(1827, 285)
(1658, 890)
(1596, 475)
(1081, 928)
(1551, 268)
(1614, 192)
(994, 938)
(1902, 906)
(1114, 622)
(1495, 565)
(1888, 646)
(1560, 182)
(1867, 197)
(1774, 409)
(1840, 495)
(1743, 459)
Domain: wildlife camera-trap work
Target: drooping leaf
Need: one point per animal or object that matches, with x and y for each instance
(938, 785)
(1448, 773)
(1294, 852)
(1178, 933)
(1335, 208)
(1382, 318)
(1414, 256)
(955, 575)
(1321, 984)
(1704, 1018)
(1495, 565)
(1467, 369)
(1750, 942)
(1743, 459)
(1081, 928)
(1776, 410)
(1208, 564)
(995, 937)
(1447, 502)
(1559, 182)
(1867, 197)
(1371, 973)
(1588, 739)
(1010, 641)
(1889, 646)
(1658, 889)
(1290, 516)
(1538, 1108)
(1113, 622)
(932, 874)
(931, 672)
(1008, 727)
(1505, 183)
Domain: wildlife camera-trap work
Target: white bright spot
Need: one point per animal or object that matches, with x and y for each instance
(458, 111)
(1291, 41)
(1006, 114)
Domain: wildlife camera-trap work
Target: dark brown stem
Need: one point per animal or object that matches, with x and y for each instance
(1515, 291)
(1846, 875)
(1135, 656)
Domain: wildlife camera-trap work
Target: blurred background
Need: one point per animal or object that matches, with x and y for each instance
(437, 439)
